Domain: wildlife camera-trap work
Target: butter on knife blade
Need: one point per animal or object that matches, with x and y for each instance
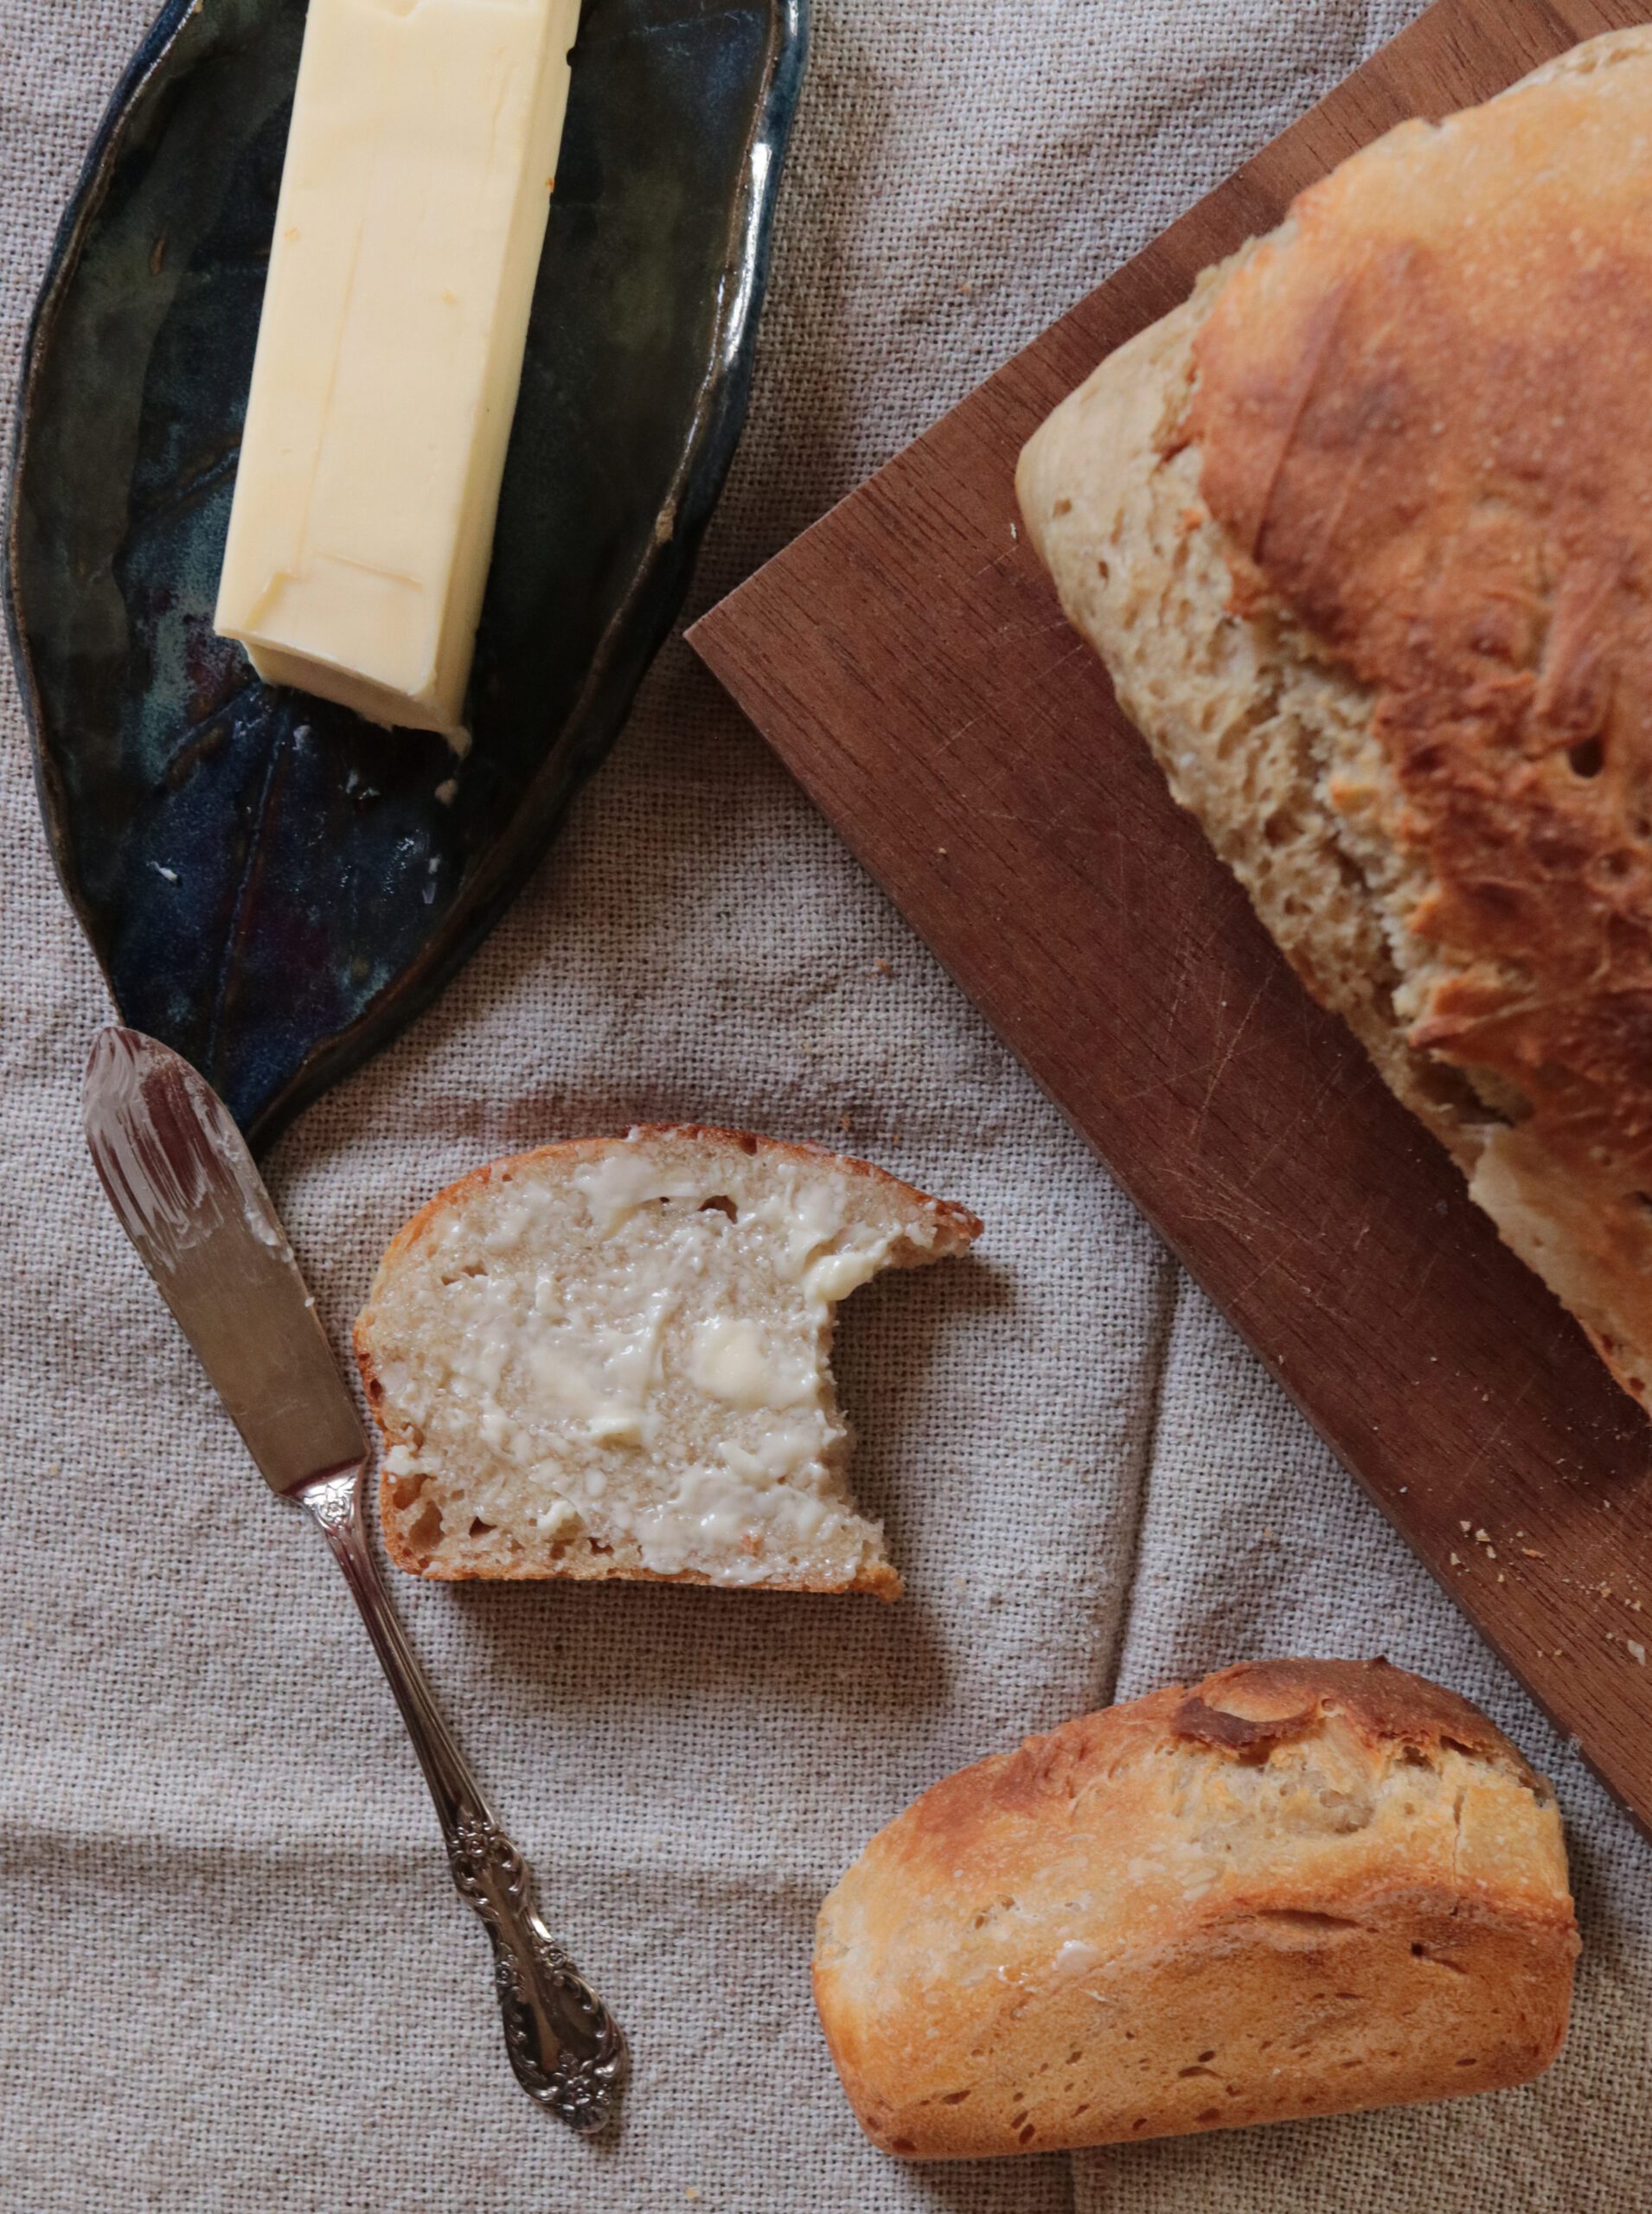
(411, 214)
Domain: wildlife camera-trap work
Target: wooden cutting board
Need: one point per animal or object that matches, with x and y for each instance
(907, 660)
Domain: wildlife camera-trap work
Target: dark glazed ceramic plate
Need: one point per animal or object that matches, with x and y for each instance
(274, 886)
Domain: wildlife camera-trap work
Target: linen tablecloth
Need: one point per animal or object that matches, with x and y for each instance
(234, 1974)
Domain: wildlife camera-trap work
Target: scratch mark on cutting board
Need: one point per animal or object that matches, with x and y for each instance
(1499, 1429)
(1224, 1059)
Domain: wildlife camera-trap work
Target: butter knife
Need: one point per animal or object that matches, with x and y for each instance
(183, 1185)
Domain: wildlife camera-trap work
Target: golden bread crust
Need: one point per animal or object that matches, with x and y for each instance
(1422, 416)
(1375, 589)
(1299, 1887)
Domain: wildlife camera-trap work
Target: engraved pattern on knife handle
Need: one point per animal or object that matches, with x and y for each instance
(567, 2049)
(579, 2079)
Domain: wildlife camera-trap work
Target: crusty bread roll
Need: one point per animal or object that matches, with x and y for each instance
(610, 1359)
(1301, 1887)
(1363, 534)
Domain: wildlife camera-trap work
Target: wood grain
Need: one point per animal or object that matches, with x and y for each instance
(906, 658)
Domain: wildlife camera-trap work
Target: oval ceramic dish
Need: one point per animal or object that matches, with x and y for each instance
(274, 886)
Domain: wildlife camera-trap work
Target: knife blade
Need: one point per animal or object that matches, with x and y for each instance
(180, 1178)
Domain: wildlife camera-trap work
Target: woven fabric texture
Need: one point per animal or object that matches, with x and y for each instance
(233, 1972)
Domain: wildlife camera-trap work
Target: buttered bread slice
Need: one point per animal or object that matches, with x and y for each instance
(610, 1358)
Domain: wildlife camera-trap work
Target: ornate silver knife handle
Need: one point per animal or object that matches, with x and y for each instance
(565, 2046)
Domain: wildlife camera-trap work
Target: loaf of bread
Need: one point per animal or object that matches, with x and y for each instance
(1363, 532)
(1301, 1887)
(610, 1359)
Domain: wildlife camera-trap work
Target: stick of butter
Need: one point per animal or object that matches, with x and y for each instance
(407, 238)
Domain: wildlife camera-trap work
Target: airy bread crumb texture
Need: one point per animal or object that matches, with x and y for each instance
(1299, 1887)
(1359, 532)
(610, 1358)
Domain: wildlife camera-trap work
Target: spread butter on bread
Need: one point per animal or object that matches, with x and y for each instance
(610, 1359)
(1363, 532)
(1298, 1888)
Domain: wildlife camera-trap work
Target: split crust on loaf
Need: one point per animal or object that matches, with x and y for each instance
(1363, 532)
(610, 1359)
(1299, 1887)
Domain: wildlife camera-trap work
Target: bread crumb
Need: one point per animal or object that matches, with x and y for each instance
(884, 968)
(1456, 1563)
(1636, 1652)
(1532, 1553)
(1465, 1527)
(1481, 1537)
